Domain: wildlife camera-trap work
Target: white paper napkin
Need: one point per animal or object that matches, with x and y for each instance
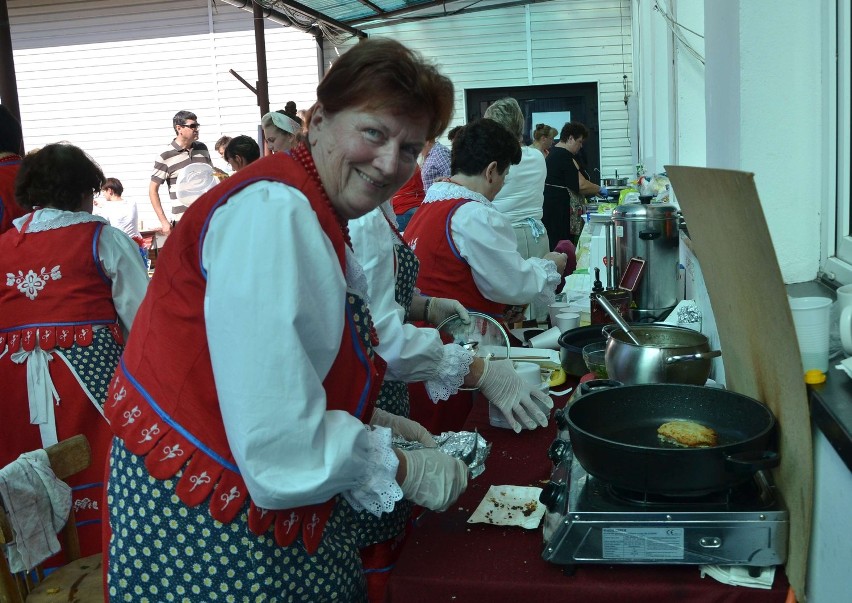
(510, 506)
(737, 575)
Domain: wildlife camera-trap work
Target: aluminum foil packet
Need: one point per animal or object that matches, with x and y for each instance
(468, 446)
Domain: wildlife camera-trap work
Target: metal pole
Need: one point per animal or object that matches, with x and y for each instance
(8, 82)
(260, 52)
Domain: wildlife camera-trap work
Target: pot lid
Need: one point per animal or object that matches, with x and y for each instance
(641, 211)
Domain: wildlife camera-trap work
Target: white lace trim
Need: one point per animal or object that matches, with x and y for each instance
(378, 491)
(356, 280)
(452, 368)
(441, 191)
(51, 219)
(547, 295)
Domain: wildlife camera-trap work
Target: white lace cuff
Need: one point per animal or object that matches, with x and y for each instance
(377, 491)
(547, 295)
(452, 368)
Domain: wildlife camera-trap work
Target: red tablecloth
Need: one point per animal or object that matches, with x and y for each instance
(448, 559)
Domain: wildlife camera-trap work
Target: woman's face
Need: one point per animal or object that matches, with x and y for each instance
(277, 140)
(574, 144)
(363, 157)
(545, 142)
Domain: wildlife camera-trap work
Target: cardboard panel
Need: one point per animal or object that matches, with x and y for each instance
(759, 348)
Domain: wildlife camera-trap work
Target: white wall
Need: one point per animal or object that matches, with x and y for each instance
(556, 42)
(109, 75)
(762, 110)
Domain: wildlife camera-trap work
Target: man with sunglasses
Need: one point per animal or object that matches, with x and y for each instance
(184, 150)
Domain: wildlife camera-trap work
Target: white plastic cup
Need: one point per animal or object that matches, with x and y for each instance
(811, 319)
(555, 309)
(549, 340)
(566, 321)
(530, 372)
(844, 296)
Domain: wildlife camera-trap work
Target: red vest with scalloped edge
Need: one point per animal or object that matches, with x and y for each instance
(162, 400)
(55, 288)
(443, 271)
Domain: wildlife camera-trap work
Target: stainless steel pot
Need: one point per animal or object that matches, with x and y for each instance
(666, 354)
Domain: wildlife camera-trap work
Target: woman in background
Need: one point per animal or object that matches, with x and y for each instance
(281, 129)
(73, 286)
(241, 151)
(11, 148)
(543, 136)
(522, 195)
(467, 249)
(567, 185)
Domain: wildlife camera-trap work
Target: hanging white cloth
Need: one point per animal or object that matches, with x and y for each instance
(37, 504)
(40, 391)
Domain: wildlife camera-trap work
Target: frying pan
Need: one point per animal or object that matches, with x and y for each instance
(614, 436)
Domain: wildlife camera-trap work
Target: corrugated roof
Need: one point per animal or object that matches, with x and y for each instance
(350, 11)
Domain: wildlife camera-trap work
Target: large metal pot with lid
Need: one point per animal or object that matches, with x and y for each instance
(650, 232)
(663, 354)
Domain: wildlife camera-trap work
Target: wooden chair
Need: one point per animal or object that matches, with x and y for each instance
(81, 580)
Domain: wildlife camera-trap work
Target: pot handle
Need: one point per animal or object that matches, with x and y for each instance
(608, 328)
(752, 461)
(689, 357)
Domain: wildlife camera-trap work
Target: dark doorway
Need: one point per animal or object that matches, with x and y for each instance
(580, 99)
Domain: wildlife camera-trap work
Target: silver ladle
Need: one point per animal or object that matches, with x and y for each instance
(610, 309)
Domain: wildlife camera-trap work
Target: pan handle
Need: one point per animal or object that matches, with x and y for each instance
(752, 461)
(689, 357)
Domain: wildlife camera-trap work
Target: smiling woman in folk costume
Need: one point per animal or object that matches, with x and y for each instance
(244, 447)
(71, 290)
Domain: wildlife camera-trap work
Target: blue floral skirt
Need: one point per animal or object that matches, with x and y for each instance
(161, 550)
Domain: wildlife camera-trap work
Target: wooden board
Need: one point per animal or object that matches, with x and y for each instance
(760, 352)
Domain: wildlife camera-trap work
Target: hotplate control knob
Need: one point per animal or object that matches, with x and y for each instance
(558, 450)
(553, 496)
(561, 420)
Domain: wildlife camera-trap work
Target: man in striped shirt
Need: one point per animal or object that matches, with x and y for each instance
(185, 149)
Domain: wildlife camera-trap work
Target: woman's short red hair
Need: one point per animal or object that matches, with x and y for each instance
(382, 74)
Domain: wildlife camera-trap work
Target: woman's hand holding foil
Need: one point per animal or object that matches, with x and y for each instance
(432, 479)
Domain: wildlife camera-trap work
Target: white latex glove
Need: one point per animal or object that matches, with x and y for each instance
(515, 398)
(411, 431)
(441, 308)
(433, 479)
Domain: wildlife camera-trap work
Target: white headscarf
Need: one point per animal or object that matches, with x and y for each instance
(284, 122)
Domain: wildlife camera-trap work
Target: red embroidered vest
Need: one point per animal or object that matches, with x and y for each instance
(55, 288)
(162, 401)
(443, 271)
(410, 195)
